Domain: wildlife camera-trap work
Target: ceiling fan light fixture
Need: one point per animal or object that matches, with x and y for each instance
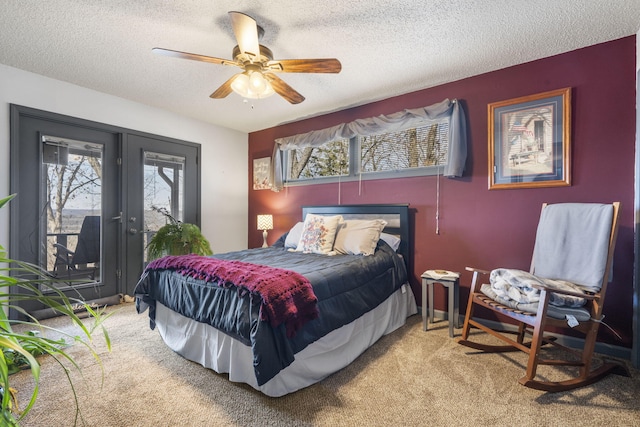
(252, 85)
(259, 78)
(257, 82)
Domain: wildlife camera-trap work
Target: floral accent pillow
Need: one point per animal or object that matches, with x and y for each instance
(318, 234)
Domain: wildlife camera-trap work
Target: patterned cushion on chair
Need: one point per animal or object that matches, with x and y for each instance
(556, 312)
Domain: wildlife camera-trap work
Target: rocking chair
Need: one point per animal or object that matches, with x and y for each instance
(575, 244)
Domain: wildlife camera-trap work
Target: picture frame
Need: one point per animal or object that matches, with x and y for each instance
(262, 173)
(530, 141)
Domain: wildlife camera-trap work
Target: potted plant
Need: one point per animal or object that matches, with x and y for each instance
(21, 281)
(177, 238)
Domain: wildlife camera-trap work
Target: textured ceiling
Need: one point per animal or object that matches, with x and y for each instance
(387, 47)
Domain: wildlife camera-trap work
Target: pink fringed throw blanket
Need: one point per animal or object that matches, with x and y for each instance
(287, 297)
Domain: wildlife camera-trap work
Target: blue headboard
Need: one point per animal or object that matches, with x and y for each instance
(396, 215)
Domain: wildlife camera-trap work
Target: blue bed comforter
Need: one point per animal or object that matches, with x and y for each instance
(347, 286)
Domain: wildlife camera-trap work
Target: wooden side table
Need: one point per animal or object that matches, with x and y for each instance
(452, 283)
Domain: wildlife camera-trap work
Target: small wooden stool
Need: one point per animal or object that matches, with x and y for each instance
(450, 281)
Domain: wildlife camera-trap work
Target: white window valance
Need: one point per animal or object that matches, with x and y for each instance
(381, 124)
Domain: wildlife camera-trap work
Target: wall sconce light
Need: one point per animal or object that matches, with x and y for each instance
(265, 222)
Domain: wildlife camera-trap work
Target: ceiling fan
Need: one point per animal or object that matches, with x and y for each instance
(259, 79)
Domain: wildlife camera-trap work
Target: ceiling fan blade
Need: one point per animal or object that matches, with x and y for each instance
(193, 56)
(328, 65)
(223, 90)
(283, 89)
(245, 29)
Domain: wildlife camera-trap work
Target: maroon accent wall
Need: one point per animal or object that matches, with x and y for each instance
(489, 229)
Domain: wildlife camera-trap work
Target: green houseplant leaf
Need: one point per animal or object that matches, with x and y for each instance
(21, 281)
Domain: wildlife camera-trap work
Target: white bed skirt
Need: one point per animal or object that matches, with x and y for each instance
(215, 350)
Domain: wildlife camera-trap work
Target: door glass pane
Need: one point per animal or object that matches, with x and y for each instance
(163, 190)
(71, 221)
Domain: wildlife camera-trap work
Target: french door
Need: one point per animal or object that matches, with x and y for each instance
(162, 176)
(85, 193)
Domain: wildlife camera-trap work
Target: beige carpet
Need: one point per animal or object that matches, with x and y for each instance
(409, 378)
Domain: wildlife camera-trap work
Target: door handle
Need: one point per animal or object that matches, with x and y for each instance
(133, 230)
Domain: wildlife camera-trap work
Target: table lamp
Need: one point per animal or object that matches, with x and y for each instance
(265, 222)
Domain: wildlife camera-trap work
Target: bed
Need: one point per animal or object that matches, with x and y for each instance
(348, 289)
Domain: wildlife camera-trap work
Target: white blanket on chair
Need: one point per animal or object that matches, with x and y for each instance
(516, 285)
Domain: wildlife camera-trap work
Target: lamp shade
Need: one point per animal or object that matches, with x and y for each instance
(265, 222)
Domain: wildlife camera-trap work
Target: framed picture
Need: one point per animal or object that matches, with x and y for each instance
(261, 173)
(529, 141)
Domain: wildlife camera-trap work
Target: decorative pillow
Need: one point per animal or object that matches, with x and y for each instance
(293, 237)
(393, 241)
(358, 236)
(318, 234)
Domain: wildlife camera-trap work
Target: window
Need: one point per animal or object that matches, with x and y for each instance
(329, 160)
(413, 148)
(72, 181)
(409, 152)
(163, 188)
(413, 142)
